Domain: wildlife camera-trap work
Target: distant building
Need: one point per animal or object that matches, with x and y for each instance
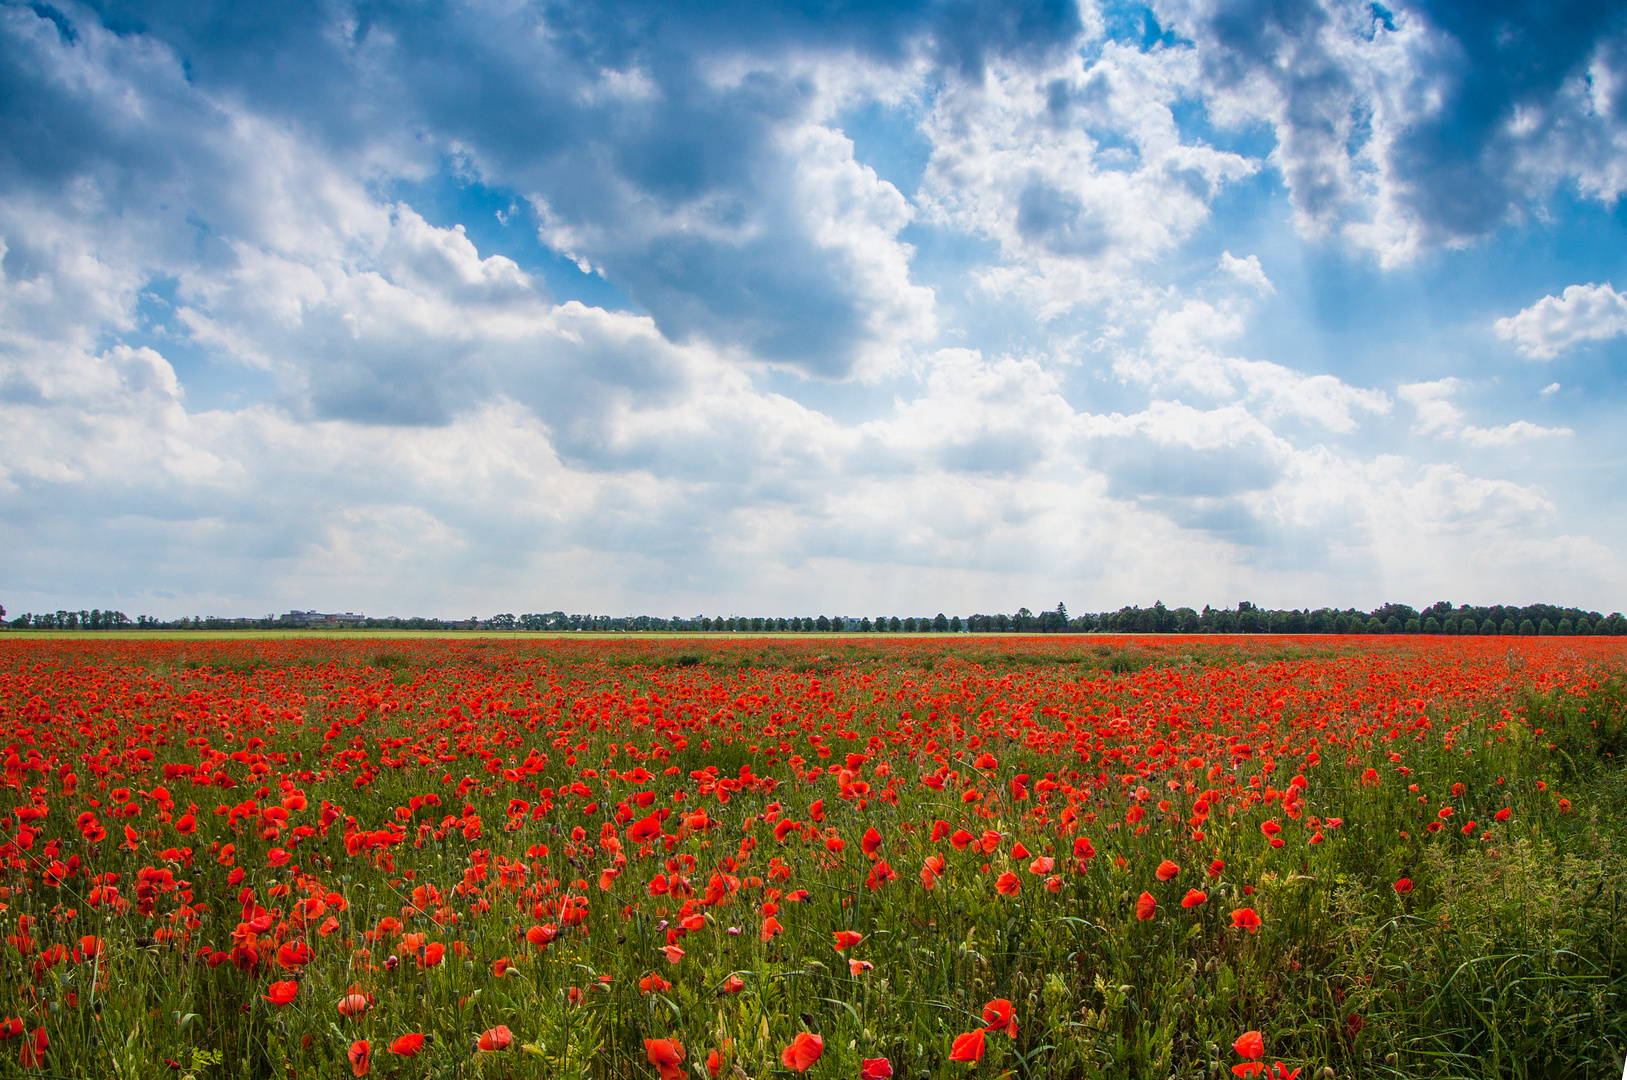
(318, 618)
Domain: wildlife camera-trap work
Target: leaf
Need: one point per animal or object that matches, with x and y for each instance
(851, 1011)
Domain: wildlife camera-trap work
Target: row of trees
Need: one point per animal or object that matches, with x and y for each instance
(1246, 618)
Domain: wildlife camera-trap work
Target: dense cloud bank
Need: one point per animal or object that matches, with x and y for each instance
(682, 306)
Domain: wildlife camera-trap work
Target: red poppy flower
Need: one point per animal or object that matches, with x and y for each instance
(803, 1051)
(667, 1055)
(1167, 870)
(497, 1038)
(846, 939)
(33, 1053)
(1146, 906)
(1193, 898)
(644, 829)
(353, 1004)
(281, 993)
(1403, 885)
(999, 1015)
(407, 1045)
(871, 841)
(1008, 884)
(361, 1057)
(1246, 918)
(1083, 849)
(875, 1069)
(967, 1047)
(1250, 1044)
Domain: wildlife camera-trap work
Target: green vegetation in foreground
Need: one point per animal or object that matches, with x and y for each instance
(1507, 960)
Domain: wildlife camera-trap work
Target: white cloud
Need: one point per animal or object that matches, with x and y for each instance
(1555, 323)
(1181, 352)
(1436, 412)
(1390, 132)
(1438, 415)
(1509, 434)
(1248, 271)
(1078, 171)
(444, 436)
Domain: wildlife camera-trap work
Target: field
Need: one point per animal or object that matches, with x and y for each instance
(843, 857)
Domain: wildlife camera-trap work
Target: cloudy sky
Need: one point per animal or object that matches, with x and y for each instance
(461, 307)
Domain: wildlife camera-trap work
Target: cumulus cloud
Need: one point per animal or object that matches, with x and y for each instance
(1182, 351)
(1439, 415)
(1078, 171)
(1416, 126)
(1555, 323)
(791, 409)
(1248, 271)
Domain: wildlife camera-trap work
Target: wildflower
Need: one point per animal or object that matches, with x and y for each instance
(1193, 898)
(667, 1055)
(407, 1045)
(1246, 919)
(33, 1053)
(281, 992)
(497, 1038)
(999, 1015)
(1250, 1044)
(875, 1069)
(967, 1047)
(1146, 907)
(1403, 885)
(803, 1051)
(1008, 884)
(353, 1004)
(1167, 870)
(361, 1057)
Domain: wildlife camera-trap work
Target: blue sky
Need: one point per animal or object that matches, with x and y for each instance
(859, 308)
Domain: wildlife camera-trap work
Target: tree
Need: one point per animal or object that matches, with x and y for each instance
(823, 624)
(940, 625)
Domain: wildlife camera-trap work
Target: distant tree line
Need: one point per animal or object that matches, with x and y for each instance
(1245, 618)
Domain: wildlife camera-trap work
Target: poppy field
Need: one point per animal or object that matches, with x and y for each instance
(1163, 857)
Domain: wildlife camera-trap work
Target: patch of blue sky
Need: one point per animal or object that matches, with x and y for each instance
(1137, 24)
(501, 222)
(888, 138)
(207, 381)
